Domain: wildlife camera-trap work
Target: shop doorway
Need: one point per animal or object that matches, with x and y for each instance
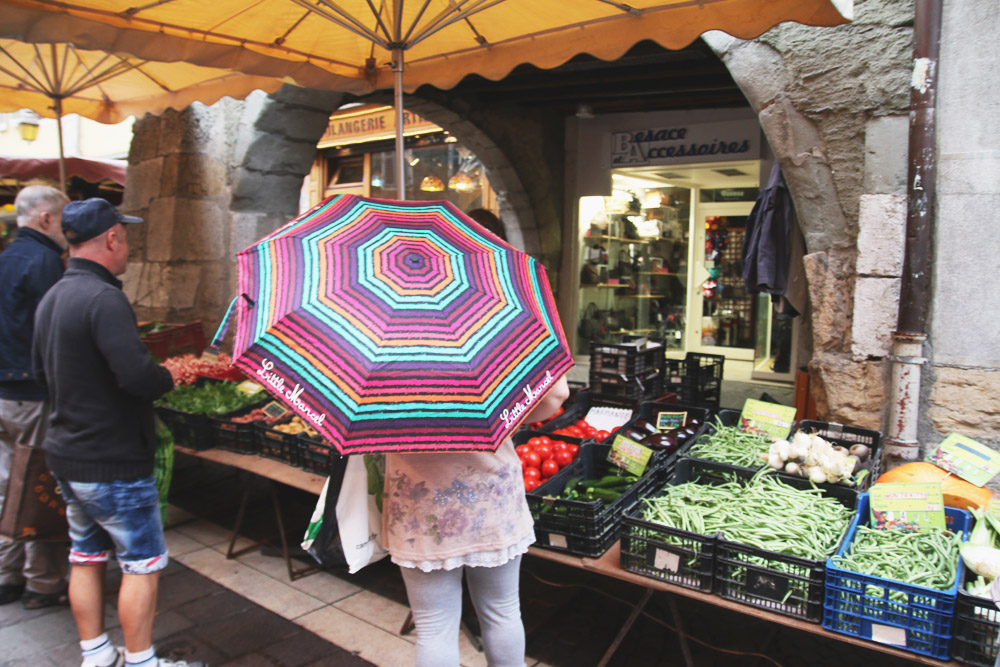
(661, 257)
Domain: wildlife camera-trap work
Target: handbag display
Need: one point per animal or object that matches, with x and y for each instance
(33, 507)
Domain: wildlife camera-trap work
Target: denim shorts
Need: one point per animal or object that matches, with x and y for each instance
(121, 516)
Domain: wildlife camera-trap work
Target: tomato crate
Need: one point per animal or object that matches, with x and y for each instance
(585, 400)
(314, 454)
(696, 379)
(235, 436)
(627, 358)
(846, 436)
(914, 618)
(630, 387)
(275, 444)
(189, 430)
(559, 540)
(664, 552)
(178, 339)
(977, 623)
(581, 518)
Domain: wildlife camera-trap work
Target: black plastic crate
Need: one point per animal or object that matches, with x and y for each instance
(845, 436)
(781, 583)
(633, 388)
(314, 454)
(696, 379)
(626, 358)
(977, 624)
(235, 436)
(589, 519)
(559, 540)
(648, 410)
(666, 553)
(276, 444)
(189, 430)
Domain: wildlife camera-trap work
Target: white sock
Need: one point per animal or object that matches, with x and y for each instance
(145, 658)
(99, 650)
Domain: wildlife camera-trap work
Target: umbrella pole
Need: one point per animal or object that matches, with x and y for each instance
(397, 69)
(62, 155)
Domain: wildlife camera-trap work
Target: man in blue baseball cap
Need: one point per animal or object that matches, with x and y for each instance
(101, 440)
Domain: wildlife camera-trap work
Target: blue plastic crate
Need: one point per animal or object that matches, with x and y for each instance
(914, 618)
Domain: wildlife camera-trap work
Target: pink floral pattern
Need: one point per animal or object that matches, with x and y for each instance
(473, 506)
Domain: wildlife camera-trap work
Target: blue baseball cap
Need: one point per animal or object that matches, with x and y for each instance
(84, 220)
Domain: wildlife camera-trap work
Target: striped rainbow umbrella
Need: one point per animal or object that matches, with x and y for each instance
(398, 326)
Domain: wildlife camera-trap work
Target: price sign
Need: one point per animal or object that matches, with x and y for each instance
(249, 387)
(973, 462)
(275, 410)
(769, 418)
(668, 421)
(630, 455)
(908, 506)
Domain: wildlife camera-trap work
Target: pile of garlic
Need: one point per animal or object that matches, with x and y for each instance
(810, 456)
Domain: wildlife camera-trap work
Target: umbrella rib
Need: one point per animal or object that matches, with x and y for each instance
(449, 16)
(343, 19)
(96, 79)
(187, 31)
(377, 14)
(132, 11)
(622, 6)
(29, 79)
(416, 20)
(281, 40)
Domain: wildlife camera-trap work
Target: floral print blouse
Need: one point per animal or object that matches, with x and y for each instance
(445, 510)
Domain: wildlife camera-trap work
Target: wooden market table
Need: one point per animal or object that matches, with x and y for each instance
(271, 471)
(608, 564)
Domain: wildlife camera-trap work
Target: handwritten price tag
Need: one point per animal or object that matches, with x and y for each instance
(973, 462)
(769, 418)
(907, 506)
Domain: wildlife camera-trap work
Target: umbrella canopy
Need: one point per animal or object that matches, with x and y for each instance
(365, 40)
(56, 79)
(398, 326)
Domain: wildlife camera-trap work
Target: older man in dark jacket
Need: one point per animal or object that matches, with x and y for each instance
(32, 571)
(101, 441)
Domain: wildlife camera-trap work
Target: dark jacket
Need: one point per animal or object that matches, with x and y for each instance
(28, 268)
(101, 380)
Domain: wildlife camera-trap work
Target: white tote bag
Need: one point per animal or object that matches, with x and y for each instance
(359, 513)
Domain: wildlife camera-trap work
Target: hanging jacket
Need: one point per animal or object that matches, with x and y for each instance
(766, 244)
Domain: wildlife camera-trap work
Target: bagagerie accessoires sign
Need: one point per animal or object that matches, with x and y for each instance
(735, 140)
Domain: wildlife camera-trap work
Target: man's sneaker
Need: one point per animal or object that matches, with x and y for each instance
(119, 660)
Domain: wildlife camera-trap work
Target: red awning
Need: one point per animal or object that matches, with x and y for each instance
(92, 171)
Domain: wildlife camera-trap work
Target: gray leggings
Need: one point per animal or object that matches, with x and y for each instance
(436, 602)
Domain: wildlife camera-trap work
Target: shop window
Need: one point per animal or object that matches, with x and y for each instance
(444, 171)
(345, 171)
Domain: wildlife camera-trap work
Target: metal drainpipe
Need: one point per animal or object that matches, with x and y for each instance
(915, 288)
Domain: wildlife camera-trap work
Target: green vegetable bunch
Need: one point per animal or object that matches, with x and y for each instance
(213, 399)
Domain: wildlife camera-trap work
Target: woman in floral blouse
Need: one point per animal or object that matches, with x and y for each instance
(452, 512)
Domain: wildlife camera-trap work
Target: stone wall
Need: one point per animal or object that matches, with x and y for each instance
(210, 181)
(833, 103)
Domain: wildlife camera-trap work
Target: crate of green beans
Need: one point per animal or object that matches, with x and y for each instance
(896, 587)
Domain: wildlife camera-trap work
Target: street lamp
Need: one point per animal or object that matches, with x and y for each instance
(28, 127)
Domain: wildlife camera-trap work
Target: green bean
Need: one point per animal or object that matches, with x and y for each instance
(728, 444)
(926, 557)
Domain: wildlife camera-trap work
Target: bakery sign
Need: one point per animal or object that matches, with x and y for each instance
(370, 123)
(734, 140)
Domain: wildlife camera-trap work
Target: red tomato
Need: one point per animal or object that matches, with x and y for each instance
(558, 446)
(574, 431)
(534, 426)
(522, 449)
(534, 441)
(531, 459)
(549, 468)
(531, 473)
(531, 484)
(602, 435)
(563, 458)
(544, 452)
(573, 449)
(545, 440)
(582, 423)
(589, 432)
